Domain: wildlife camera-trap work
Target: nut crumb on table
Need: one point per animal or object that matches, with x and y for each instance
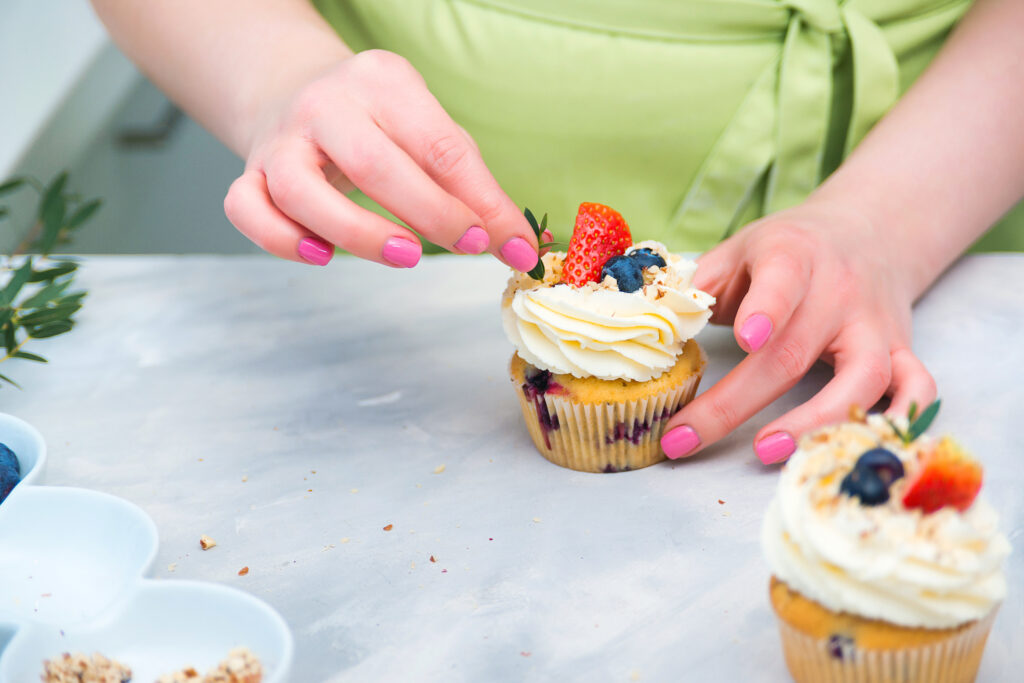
(205, 542)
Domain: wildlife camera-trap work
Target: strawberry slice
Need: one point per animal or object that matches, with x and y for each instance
(948, 476)
(600, 234)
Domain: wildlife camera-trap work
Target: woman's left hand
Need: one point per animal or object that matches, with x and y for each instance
(812, 282)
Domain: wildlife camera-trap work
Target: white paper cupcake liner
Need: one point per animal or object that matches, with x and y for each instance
(604, 437)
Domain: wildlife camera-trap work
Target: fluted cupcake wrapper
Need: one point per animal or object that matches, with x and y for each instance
(604, 437)
(952, 660)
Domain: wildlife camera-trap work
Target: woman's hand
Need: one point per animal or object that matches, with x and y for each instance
(813, 282)
(370, 123)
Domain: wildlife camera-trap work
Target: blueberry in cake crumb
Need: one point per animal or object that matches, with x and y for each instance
(538, 383)
(10, 471)
(840, 646)
(645, 257)
(626, 271)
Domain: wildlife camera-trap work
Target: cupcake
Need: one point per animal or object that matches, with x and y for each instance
(604, 344)
(886, 565)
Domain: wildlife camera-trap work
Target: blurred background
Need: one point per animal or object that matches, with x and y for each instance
(70, 101)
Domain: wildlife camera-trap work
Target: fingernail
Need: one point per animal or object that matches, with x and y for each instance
(315, 251)
(519, 254)
(402, 253)
(473, 241)
(755, 331)
(775, 447)
(679, 442)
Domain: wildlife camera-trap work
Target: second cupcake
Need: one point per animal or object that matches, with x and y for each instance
(604, 345)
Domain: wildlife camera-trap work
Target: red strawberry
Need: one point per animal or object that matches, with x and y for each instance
(600, 233)
(948, 476)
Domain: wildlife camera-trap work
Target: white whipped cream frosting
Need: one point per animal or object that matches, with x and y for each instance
(598, 331)
(937, 570)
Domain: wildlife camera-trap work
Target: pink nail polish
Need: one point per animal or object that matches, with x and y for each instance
(755, 331)
(775, 448)
(315, 251)
(473, 241)
(519, 254)
(679, 442)
(402, 253)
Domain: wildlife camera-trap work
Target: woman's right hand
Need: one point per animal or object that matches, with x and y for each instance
(371, 123)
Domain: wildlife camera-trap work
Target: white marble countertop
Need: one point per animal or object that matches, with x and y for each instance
(292, 413)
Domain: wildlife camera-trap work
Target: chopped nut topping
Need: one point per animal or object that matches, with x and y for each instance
(205, 542)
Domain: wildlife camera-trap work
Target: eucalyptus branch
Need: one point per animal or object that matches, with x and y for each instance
(35, 301)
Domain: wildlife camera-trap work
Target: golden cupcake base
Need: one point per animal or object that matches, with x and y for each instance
(822, 646)
(594, 425)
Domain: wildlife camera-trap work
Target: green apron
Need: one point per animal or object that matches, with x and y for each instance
(690, 117)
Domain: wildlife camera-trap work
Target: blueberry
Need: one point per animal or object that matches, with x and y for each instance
(626, 271)
(884, 463)
(10, 471)
(646, 257)
(865, 484)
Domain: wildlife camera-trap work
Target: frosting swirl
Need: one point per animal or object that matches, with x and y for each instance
(887, 562)
(598, 331)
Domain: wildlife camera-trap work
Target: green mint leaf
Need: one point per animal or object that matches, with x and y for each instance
(5, 315)
(924, 421)
(532, 220)
(11, 185)
(548, 244)
(30, 356)
(17, 281)
(537, 273)
(543, 225)
(899, 433)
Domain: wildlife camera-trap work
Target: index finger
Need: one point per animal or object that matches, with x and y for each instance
(442, 149)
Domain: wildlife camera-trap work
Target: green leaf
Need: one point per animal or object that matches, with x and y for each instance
(51, 274)
(537, 272)
(75, 298)
(54, 191)
(10, 381)
(10, 341)
(3, 211)
(924, 421)
(532, 220)
(543, 225)
(11, 185)
(84, 213)
(53, 220)
(912, 413)
(30, 356)
(50, 329)
(17, 281)
(49, 315)
(548, 244)
(45, 295)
